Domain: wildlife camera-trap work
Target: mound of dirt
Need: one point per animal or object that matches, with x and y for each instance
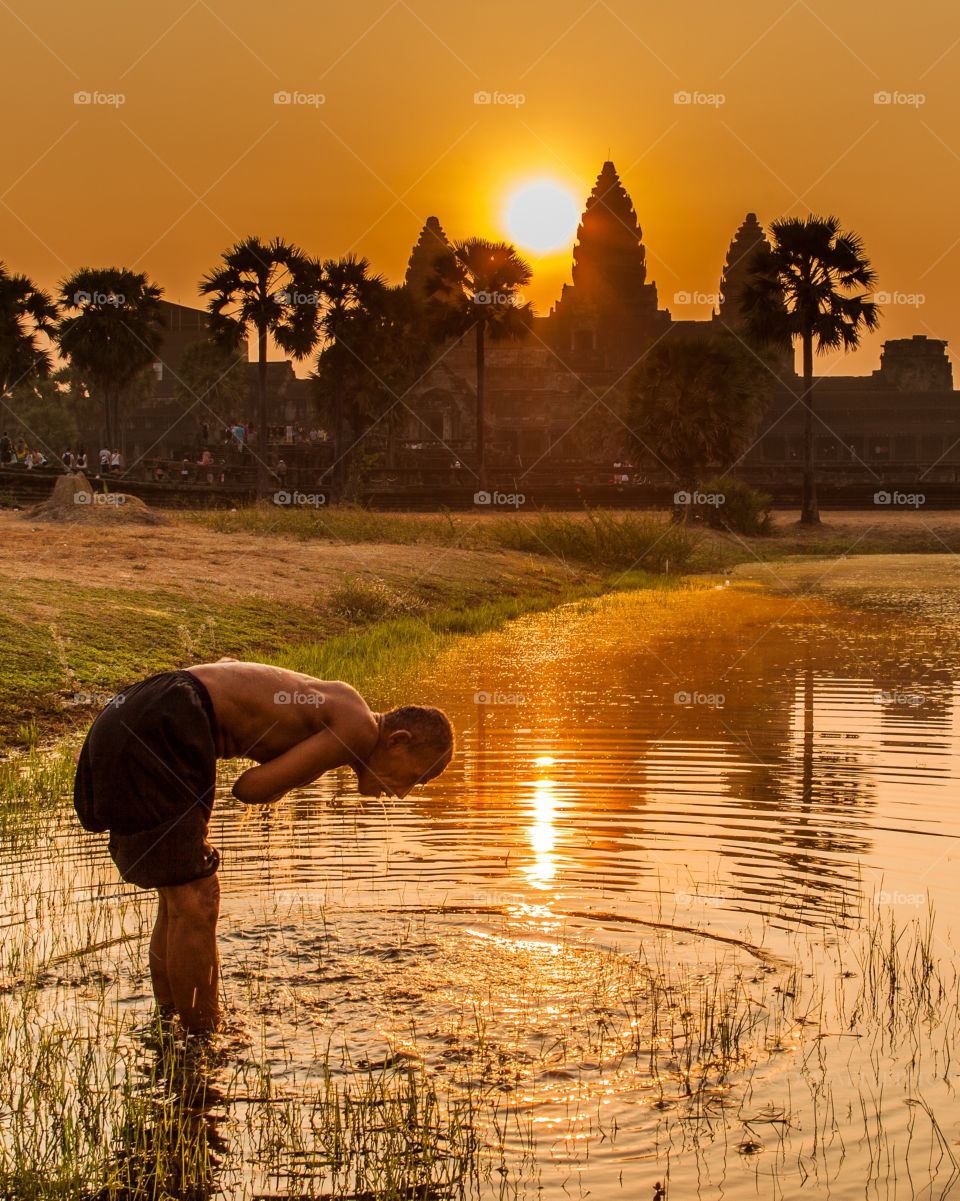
(74, 500)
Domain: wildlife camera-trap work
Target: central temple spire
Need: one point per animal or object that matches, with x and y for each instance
(609, 259)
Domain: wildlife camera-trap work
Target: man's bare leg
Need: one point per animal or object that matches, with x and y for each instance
(158, 960)
(191, 960)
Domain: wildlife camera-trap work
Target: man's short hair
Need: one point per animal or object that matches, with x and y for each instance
(429, 728)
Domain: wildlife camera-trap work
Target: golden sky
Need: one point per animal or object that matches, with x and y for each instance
(184, 149)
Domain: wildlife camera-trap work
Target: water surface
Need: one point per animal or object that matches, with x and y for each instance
(692, 798)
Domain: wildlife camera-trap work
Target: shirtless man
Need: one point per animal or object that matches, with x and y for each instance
(147, 773)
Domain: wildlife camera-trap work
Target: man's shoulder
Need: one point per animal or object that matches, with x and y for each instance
(343, 702)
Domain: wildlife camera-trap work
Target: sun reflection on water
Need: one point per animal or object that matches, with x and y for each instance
(542, 831)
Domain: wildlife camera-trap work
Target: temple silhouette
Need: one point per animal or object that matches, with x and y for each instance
(552, 397)
(548, 395)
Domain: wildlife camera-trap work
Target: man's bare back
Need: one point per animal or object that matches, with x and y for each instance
(263, 711)
(297, 727)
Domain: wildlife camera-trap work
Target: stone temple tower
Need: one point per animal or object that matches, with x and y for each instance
(610, 310)
(748, 239)
(431, 245)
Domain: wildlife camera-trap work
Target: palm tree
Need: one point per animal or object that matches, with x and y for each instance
(378, 344)
(478, 287)
(26, 315)
(113, 331)
(46, 414)
(344, 375)
(806, 286)
(695, 403)
(271, 288)
(212, 374)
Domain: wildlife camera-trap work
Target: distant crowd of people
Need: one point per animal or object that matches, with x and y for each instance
(242, 434)
(205, 469)
(16, 452)
(206, 466)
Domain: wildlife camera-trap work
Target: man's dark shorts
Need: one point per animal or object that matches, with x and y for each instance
(147, 773)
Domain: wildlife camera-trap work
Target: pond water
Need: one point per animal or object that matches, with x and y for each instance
(673, 915)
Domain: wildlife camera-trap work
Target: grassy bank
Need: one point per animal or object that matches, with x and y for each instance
(86, 611)
(70, 648)
(391, 647)
(606, 539)
(599, 539)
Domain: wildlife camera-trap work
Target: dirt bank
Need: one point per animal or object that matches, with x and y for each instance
(87, 608)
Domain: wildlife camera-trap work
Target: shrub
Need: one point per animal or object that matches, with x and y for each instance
(365, 600)
(744, 509)
(599, 539)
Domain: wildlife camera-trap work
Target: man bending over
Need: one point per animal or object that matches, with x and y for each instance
(147, 773)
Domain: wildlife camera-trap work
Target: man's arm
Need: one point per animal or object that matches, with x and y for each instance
(300, 765)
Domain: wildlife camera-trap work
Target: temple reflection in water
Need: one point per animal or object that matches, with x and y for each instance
(750, 749)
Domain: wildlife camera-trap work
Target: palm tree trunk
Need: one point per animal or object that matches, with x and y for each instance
(681, 512)
(335, 478)
(481, 431)
(107, 420)
(111, 414)
(263, 468)
(810, 511)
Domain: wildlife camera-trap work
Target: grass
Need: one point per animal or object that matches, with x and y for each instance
(70, 647)
(605, 540)
(388, 648)
(600, 539)
(29, 785)
(86, 1113)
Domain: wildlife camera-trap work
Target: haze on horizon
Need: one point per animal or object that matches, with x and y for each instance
(183, 147)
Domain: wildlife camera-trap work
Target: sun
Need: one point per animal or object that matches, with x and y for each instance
(542, 215)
